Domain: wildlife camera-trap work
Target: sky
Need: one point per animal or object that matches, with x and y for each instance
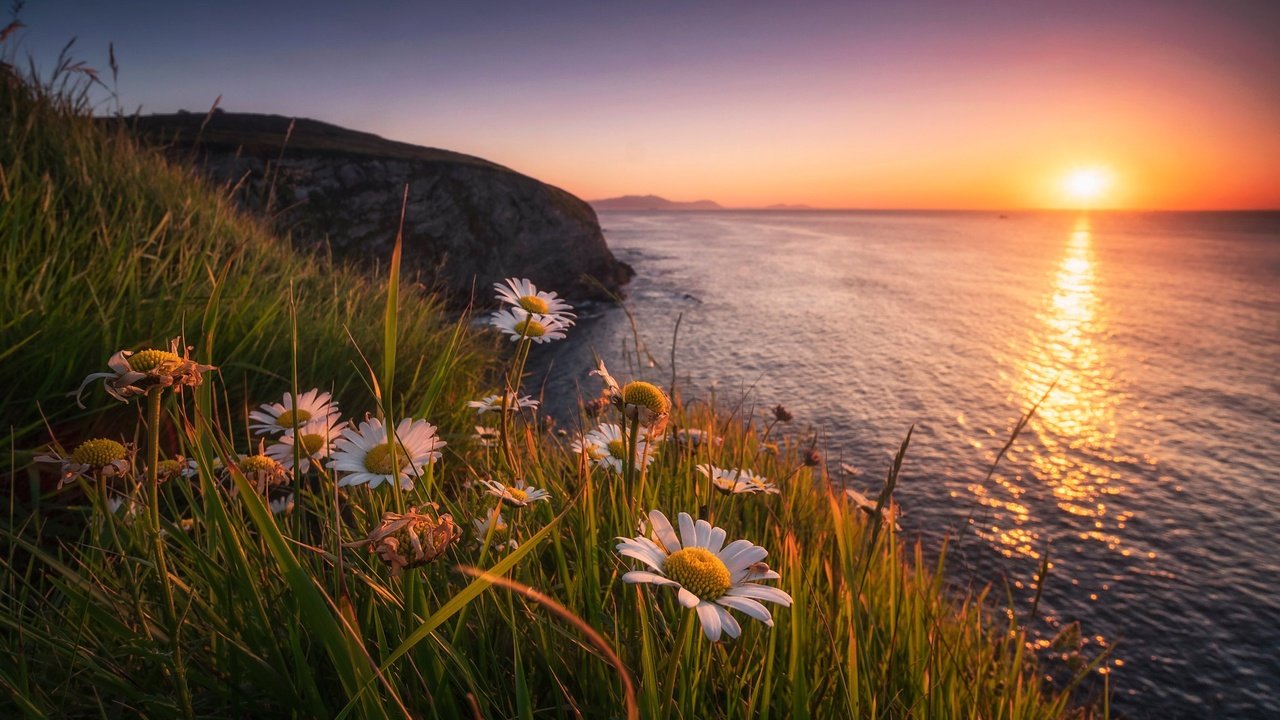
(928, 104)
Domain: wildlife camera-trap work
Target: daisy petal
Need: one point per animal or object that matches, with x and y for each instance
(687, 532)
(710, 617)
(728, 622)
(748, 606)
(641, 576)
(687, 598)
(760, 592)
(663, 530)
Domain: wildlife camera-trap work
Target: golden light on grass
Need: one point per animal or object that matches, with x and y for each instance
(1086, 186)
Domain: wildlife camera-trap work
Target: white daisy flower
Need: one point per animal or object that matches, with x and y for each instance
(92, 458)
(493, 403)
(178, 467)
(486, 437)
(518, 495)
(318, 436)
(890, 511)
(282, 504)
(709, 576)
(500, 527)
(521, 325)
(364, 453)
(605, 446)
(273, 418)
(522, 294)
(733, 481)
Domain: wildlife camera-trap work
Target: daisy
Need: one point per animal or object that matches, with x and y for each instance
(318, 436)
(178, 467)
(867, 505)
(263, 471)
(695, 438)
(136, 373)
(364, 453)
(709, 576)
(605, 446)
(283, 503)
(486, 437)
(499, 527)
(518, 495)
(733, 481)
(638, 400)
(523, 294)
(410, 540)
(521, 325)
(91, 459)
(274, 418)
(493, 403)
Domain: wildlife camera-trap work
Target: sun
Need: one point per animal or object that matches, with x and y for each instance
(1087, 185)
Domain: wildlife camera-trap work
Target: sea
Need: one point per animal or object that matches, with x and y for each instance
(1148, 345)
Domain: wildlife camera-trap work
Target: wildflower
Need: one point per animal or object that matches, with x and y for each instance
(178, 467)
(276, 418)
(92, 459)
(709, 576)
(496, 524)
(493, 403)
(695, 438)
(889, 512)
(638, 400)
(605, 446)
(595, 406)
(736, 481)
(781, 414)
(486, 437)
(524, 295)
(281, 504)
(263, 471)
(365, 453)
(518, 495)
(521, 325)
(136, 373)
(318, 436)
(412, 539)
(812, 458)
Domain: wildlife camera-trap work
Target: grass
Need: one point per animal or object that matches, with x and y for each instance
(206, 604)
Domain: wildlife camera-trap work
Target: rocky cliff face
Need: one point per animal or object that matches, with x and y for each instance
(468, 222)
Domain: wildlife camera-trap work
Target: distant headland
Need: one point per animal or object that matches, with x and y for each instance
(655, 202)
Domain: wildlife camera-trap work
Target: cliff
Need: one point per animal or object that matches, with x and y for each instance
(468, 221)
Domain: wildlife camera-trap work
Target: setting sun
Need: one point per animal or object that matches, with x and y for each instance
(1086, 185)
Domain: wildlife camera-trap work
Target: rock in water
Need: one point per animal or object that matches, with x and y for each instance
(469, 222)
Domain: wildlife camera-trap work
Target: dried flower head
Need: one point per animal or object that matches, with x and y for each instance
(412, 539)
(263, 471)
(781, 414)
(136, 373)
(92, 459)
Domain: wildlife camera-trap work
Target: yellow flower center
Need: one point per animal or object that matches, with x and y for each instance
(646, 395)
(378, 460)
(617, 448)
(698, 571)
(98, 453)
(535, 304)
(257, 464)
(529, 327)
(149, 360)
(517, 494)
(289, 418)
(167, 468)
(311, 443)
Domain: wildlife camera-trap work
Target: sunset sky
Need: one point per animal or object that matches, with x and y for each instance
(1166, 105)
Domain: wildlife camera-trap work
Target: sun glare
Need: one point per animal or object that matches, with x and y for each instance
(1087, 185)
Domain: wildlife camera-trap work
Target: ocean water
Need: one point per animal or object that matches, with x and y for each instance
(1150, 471)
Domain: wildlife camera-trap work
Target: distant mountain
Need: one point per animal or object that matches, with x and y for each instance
(788, 206)
(652, 202)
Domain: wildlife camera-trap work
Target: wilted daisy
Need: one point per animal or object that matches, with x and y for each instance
(518, 495)
(364, 453)
(178, 467)
(136, 373)
(275, 418)
(92, 459)
(493, 403)
(708, 575)
(412, 539)
(733, 481)
(318, 436)
(638, 400)
(521, 325)
(605, 446)
(695, 438)
(890, 511)
(281, 503)
(263, 471)
(523, 294)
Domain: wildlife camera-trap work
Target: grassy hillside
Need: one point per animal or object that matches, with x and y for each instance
(196, 600)
(106, 246)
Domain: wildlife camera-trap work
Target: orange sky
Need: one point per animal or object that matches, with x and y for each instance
(929, 104)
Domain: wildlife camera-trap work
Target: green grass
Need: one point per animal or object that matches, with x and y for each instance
(208, 605)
